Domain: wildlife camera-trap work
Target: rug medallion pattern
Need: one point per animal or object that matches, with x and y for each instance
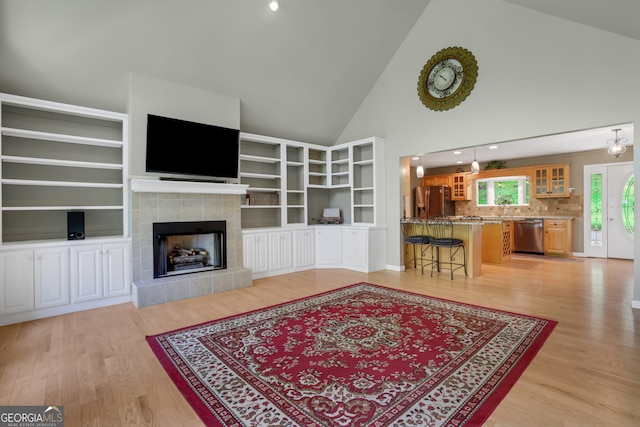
(363, 355)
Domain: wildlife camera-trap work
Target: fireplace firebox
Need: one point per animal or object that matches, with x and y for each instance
(188, 247)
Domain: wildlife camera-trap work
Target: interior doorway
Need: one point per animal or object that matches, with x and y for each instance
(609, 208)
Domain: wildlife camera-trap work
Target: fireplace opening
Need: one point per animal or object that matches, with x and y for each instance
(188, 247)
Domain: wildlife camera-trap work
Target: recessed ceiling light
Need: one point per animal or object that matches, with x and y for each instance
(459, 162)
(493, 147)
(274, 5)
(457, 152)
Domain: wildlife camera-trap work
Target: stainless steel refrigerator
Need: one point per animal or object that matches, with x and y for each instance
(434, 201)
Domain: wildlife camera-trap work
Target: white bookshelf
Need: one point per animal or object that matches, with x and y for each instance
(56, 158)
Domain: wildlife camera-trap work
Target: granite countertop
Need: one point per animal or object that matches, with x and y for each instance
(487, 219)
(518, 218)
(456, 220)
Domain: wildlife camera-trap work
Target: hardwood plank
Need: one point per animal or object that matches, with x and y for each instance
(98, 365)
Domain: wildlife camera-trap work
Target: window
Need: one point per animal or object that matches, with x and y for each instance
(628, 206)
(507, 190)
(596, 209)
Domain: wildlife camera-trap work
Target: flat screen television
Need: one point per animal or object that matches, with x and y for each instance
(184, 148)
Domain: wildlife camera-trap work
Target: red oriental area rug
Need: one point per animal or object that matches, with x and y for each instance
(363, 355)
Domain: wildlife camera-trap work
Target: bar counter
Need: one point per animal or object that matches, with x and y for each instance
(469, 231)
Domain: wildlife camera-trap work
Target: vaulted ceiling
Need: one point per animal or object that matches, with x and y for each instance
(300, 73)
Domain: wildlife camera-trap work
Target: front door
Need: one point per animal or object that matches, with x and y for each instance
(609, 206)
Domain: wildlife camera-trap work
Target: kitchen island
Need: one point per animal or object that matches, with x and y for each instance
(470, 232)
(490, 240)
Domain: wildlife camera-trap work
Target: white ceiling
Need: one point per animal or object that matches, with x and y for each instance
(300, 73)
(547, 145)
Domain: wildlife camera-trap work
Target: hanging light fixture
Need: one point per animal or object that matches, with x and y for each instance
(475, 166)
(274, 5)
(616, 148)
(420, 169)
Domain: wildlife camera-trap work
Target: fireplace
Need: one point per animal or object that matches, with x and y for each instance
(188, 247)
(157, 202)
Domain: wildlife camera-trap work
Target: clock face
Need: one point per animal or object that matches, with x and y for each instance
(447, 78)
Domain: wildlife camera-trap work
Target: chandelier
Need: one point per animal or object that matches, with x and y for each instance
(615, 145)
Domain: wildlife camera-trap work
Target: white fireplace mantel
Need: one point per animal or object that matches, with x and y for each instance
(162, 186)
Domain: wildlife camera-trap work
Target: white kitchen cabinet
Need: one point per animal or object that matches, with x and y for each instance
(304, 249)
(280, 250)
(363, 248)
(116, 270)
(277, 251)
(44, 279)
(255, 252)
(16, 281)
(86, 273)
(355, 247)
(51, 280)
(99, 271)
(34, 279)
(329, 246)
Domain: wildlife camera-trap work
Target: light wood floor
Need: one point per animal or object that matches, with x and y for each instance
(98, 365)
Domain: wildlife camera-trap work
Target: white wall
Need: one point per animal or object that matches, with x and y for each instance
(538, 75)
(152, 96)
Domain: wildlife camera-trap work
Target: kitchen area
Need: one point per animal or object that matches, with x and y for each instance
(498, 213)
(561, 195)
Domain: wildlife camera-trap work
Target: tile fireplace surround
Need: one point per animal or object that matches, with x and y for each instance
(169, 201)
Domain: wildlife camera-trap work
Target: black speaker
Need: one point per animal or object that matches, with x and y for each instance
(75, 225)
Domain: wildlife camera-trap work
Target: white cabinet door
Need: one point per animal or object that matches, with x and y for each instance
(355, 249)
(51, 277)
(280, 250)
(329, 247)
(16, 282)
(255, 252)
(86, 273)
(117, 276)
(304, 248)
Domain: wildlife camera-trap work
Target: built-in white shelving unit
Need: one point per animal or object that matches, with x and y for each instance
(57, 158)
(290, 183)
(317, 168)
(282, 234)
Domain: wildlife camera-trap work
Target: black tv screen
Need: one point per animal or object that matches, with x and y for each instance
(187, 148)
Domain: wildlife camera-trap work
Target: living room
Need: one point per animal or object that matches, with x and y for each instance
(516, 49)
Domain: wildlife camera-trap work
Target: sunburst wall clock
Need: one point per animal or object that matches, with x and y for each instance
(447, 78)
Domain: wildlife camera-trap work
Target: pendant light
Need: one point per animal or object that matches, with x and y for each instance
(475, 166)
(420, 169)
(616, 148)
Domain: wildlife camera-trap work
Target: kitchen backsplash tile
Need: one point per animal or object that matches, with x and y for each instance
(569, 206)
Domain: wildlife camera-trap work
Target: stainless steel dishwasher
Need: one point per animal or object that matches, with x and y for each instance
(528, 235)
